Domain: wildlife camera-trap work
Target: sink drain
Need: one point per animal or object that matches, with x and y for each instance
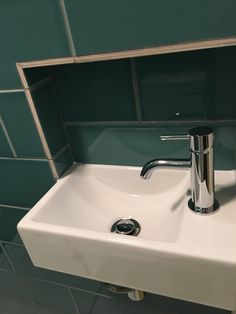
(126, 226)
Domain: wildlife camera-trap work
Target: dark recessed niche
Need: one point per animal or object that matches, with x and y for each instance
(186, 86)
(114, 111)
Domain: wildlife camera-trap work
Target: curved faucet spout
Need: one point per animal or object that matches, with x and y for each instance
(150, 166)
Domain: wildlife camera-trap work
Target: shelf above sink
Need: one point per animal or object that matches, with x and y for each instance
(177, 252)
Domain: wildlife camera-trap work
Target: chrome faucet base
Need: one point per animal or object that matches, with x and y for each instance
(204, 211)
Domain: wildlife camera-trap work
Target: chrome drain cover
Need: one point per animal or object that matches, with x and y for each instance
(126, 226)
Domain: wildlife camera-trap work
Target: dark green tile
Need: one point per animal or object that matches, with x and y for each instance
(23, 265)
(135, 145)
(38, 291)
(98, 91)
(163, 304)
(49, 115)
(9, 218)
(175, 86)
(11, 303)
(24, 182)
(134, 24)
(178, 306)
(4, 263)
(197, 85)
(223, 79)
(63, 162)
(5, 150)
(20, 125)
(90, 303)
(29, 30)
(35, 75)
(124, 145)
(45, 309)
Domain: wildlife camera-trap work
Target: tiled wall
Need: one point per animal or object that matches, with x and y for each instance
(103, 27)
(41, 31)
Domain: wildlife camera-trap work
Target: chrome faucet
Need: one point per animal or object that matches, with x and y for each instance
(201, 163)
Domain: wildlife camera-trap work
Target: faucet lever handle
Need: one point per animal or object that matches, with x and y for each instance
(177, 137)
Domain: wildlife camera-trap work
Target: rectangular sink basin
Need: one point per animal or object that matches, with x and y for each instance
(177, 252)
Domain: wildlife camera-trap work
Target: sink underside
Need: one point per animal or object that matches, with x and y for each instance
(177, 253)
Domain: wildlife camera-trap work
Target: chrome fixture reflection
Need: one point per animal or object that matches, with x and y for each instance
(126, 226)
(133, 294)
(201, 163)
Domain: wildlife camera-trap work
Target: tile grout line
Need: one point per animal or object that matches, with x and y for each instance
(8, 258)
(40, 83)
(60, 151)
(7, 271)
(24, 159)
(67, 27)
(8, 137)
(73, 300)
(7, 91)
(136, 89)
(55, 282)
(40, 279)
(12, 243)
(93, 305)
(34, 306)
(38, 159)
(16, 207)
(149, 123)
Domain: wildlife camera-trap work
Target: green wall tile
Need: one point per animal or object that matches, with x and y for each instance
(29, 30)
(104, 26)
(49, 115)
(9, 218)
(98, 91)
(135, 145)
(39, 291)
(197, 85)
(5, 150)
(20, 125)
(64, 161)
(24, 182)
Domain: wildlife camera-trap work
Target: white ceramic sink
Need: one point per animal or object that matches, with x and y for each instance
(177, 253)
